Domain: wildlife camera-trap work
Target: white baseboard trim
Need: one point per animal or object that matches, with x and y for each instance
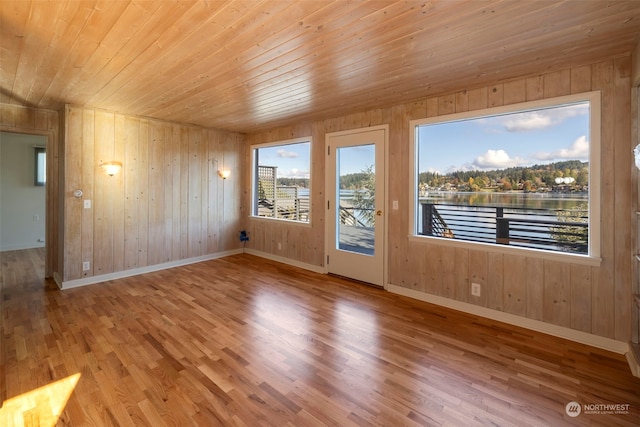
(294, 263)
(535, 325)
(136, 271)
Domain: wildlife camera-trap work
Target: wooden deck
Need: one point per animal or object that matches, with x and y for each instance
(356, 239)
(242, 341)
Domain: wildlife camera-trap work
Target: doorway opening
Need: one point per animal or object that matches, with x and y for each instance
(23, 204)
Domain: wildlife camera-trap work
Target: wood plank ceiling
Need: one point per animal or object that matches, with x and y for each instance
(249, 65)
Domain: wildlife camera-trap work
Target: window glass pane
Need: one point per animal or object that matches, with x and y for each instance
(355, 215)
(282, 181)
(519, 178)
(40, 166)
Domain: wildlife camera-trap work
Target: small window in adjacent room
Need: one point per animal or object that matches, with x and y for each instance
(40, 176)
(281, 180)
(523, 176)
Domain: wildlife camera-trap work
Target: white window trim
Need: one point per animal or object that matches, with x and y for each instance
(593, 258)
(253, 149)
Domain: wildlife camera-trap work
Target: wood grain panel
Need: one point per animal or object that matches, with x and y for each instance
(495, 280)
(156, 209)
(515, 92)
(478, 99)
(495, 96)
(157, 231)
(131, 209)
(73, 209)
(119, 201)
(195, 193)
(514, 291)
(479, 273)
(557, 83)
(142, 176)
(103, 209)
(557, 293)
(462, 282)
(87, 185)
(623, 189)
(581, 298)
(602, 315)
(535, 289)
(535, 88)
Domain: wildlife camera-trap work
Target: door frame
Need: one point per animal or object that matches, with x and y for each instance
(385, 201)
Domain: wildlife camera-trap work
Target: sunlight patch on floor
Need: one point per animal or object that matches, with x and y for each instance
(41, 406)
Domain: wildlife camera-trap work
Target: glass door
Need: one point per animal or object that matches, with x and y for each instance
(355, 191)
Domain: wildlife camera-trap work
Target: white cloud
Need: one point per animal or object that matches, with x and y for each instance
(578, 150)
(496, 159)
(541, 119)
(293, 173)
(282, 153)
(528, 121)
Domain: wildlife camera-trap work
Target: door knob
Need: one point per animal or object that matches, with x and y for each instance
(379, 212)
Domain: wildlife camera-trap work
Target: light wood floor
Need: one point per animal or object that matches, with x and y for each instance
(242, 341)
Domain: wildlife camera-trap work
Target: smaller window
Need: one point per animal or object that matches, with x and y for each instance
(281, 180)
(40, 176)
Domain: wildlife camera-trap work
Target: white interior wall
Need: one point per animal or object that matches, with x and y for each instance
(22, 203)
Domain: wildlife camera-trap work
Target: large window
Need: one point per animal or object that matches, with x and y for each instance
(281, 180)
(524, 176)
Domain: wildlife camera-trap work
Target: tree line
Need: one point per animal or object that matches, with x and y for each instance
(529, 179)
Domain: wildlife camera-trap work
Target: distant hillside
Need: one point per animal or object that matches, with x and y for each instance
(530, 178)
(294, 182)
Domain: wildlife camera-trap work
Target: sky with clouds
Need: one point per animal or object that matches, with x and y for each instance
(292, 160)
(496, 142)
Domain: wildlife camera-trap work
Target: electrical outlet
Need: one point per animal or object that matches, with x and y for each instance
(87, 204)
(475, 289)
(86, 266)
(279, 246)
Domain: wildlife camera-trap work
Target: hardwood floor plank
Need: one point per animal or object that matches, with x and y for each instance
(243, 341)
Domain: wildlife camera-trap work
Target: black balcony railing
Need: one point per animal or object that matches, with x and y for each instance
(551, 229)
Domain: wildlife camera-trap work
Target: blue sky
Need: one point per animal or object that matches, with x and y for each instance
(517, 139)
(292, 159)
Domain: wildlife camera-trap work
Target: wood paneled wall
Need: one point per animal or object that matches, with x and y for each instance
(168, 202)
(596, 300)
(14, 118)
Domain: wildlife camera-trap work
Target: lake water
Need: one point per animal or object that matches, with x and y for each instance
(526, 200)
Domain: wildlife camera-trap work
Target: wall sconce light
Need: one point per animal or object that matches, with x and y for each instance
(224, 173)
(111, 168)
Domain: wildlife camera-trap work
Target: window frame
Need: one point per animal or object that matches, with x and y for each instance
(254, 174)
(593, 257)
